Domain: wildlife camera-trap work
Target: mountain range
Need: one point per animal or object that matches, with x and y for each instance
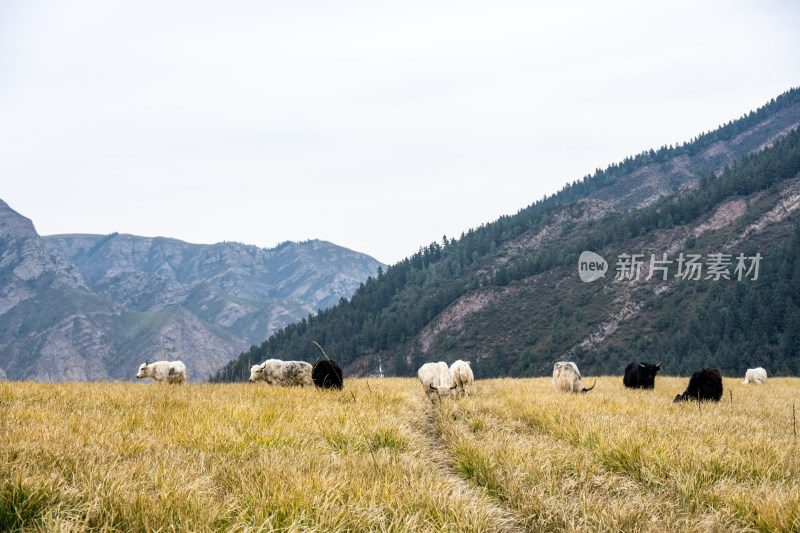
(508, 295)
(94, 307)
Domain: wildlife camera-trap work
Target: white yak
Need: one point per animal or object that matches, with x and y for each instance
(567, 378)
(283, 373)
(436, 380)
(755, 375)
(463, 377)
(163, 372)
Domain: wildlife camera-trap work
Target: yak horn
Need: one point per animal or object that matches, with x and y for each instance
(641, 365)
(453, 387)
(432, 387)
(590, 388)
(145, 362)
(659, 364)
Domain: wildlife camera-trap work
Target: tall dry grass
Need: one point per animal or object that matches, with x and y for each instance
(379, 457)
(132, 457)
(630, 460)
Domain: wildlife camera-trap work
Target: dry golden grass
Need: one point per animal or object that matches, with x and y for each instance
(623, 460)
(379, 457)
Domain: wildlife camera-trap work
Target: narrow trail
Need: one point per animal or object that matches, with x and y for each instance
(506, 519)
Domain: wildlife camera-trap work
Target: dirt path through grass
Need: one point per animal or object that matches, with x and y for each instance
(506, 518)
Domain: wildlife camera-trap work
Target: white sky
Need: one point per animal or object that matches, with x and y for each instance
(379, 126)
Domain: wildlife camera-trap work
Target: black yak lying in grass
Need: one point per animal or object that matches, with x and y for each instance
(705, 384)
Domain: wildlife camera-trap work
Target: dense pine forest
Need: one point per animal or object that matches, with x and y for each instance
(727, 324)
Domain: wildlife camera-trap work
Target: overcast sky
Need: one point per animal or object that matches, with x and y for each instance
(379, 126)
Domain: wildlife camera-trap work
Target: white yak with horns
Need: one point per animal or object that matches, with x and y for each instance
(436, 380)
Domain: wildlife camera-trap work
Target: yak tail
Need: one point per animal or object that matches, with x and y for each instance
(590, 388)
(323, 353)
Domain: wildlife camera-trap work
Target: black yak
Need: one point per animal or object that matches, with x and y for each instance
(705, 384)
(641, 375)
(327, 375)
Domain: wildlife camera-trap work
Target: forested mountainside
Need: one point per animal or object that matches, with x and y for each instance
(507, 295)
(94, 307)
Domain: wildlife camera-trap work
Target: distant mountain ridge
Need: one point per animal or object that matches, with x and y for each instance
(93, 307)
(506, 295)
(314, 272)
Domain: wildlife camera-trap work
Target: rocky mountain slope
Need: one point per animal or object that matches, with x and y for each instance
(507, 295)
(91, 307)
(665, 173)
(245, 290)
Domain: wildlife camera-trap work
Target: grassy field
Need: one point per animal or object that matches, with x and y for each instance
(516, 456)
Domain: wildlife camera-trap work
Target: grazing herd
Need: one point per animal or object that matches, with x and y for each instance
(440, 381)
(324, 374)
